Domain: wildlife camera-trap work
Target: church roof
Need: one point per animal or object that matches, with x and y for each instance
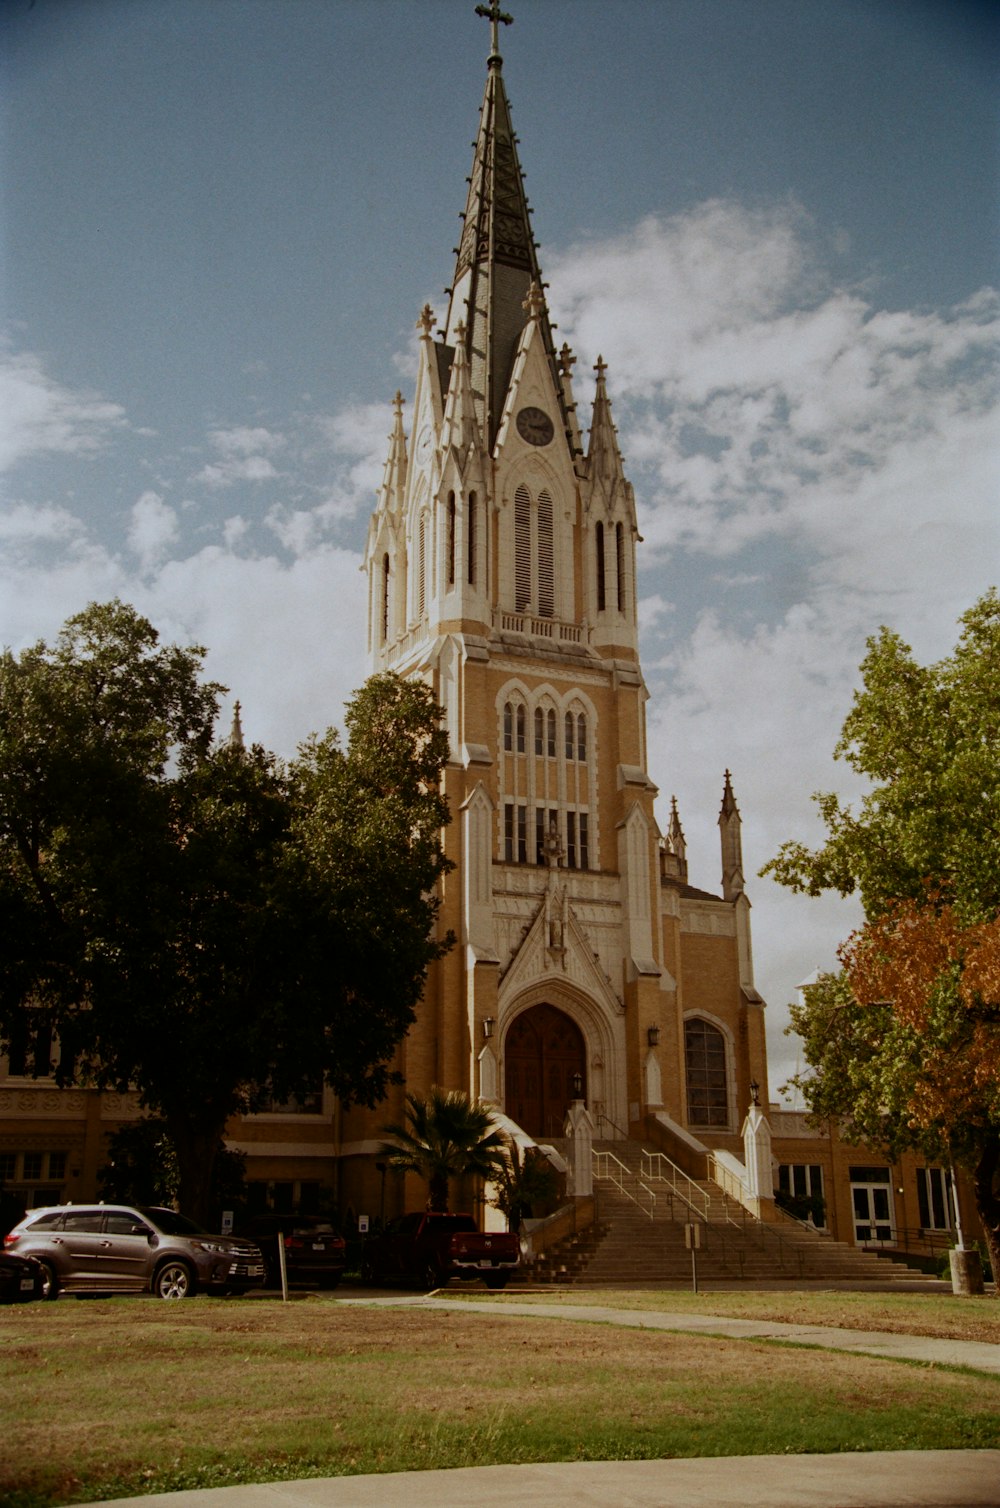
(497, 260)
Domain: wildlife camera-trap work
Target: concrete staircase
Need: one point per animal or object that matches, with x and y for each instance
(639, 1244)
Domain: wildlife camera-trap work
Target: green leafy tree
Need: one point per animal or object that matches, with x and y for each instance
(904, 1043)
(446, 1135)
(142, 1169)
(526, 1184)
(202, 924)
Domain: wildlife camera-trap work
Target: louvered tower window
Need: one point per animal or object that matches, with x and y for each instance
(534, 555)
(451, 539)
(471, 533)
(599, 541)
(620, 561)
(385, 598)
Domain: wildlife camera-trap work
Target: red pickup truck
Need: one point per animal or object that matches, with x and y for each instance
(428, 1249)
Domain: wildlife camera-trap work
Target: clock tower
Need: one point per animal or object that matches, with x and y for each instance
(501, 571)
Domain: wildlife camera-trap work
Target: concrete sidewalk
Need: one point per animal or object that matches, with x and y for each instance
(977, 1354)
(876, 1479)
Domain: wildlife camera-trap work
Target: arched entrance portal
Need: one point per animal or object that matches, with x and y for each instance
(543, 1053)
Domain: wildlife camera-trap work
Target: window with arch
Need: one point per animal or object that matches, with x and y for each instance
(599, 542)
(534, 559)
(422, 566)
(451, 539)
(471, 533)
(385, 597)
(705, 1073)
(620, 565)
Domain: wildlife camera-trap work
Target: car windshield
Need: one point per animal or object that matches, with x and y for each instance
(169, 1223)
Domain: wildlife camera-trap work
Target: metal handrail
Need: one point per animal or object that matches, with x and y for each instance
(679, 1182)
(621, 1176)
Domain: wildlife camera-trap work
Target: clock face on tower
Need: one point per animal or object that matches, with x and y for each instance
(535, 426)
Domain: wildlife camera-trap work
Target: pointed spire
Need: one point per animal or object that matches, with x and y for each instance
(675, 837)
(730, 831)
(459, 428)
(604, 460)
(497, 259)
(394, 473)
(235, 740)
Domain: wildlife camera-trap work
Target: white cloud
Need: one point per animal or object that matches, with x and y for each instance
(245, 456)
(38, 414)
(153, 529)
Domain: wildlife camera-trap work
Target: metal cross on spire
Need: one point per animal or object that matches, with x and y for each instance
(495, 16)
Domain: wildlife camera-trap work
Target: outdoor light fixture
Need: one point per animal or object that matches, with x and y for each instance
(653, 1036)
(488, 1024)
(577, 1085)
(755, 1091)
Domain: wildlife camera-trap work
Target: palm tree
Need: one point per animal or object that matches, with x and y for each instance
(445, 1135)
(527, 1179)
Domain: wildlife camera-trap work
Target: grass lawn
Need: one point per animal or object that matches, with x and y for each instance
(122, 1396)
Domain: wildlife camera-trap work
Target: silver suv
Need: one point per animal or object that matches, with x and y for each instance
(117, 1248)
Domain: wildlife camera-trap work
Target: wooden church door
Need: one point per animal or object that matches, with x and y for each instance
(543, 1054)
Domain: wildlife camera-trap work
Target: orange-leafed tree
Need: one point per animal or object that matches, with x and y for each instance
(904, 1043)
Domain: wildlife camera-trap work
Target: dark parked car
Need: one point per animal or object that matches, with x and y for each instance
(115, 1248)
(21, 1279)
(314, 1253)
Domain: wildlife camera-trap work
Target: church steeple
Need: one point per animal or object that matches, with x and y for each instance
(730, 832)
(497, 258)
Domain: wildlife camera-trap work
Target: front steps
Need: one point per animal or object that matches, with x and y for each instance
(629, 1248)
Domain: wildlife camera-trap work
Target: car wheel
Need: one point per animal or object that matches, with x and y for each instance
(174, 1280)
(496, 1280)
(50, 1283)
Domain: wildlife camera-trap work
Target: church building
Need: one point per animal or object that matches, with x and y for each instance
(501, 569)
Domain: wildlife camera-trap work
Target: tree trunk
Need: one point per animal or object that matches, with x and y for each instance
(196, 1147)
(987, 1186)
(438, 1189)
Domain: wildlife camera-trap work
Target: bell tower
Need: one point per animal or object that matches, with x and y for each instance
(501, 565)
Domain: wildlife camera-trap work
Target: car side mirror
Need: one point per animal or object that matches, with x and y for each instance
(152, 1238)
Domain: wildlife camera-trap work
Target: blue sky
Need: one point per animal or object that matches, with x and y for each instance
(776, 219)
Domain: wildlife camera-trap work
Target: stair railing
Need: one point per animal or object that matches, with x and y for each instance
(656, 1167)
(611, 1168)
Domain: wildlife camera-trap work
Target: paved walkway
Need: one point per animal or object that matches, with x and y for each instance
(979, 1355)
(869, 1479)
(875, 1479)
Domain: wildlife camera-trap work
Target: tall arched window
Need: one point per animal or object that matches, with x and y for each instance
(508, 727)
(385, 598)
(599, 541)
(570, 724)
(539, 731)
(471, 534)
(422, 567)
(451, 539)
(550, 741)
(519, 721)
(534, 553)
(581, 738)
(705, 1074)
(620, 562)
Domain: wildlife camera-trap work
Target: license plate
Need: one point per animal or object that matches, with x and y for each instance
(27, 1285)
(485, 1262)
(318, 1246)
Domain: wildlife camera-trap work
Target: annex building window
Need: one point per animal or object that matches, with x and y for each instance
(934, 1198)
(800, 1191)
(705, 1074)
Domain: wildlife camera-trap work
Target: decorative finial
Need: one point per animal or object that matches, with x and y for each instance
(397, 404)
(534, 304)
(601, 367)
(236, 731)
(495, 16)
(566, 360)
(427, 321)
